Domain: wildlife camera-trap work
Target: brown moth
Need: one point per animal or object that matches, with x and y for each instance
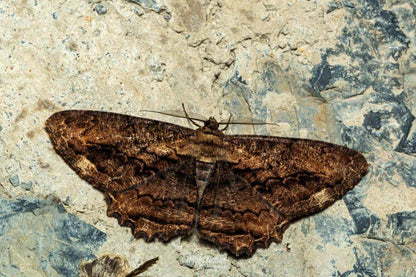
(241, 191)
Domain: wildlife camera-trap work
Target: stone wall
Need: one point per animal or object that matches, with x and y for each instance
(342, 71)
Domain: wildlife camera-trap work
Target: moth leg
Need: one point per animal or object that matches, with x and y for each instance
(234, 216)
(162, 206)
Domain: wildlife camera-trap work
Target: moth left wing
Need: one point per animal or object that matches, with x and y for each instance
(297, 177)
(132, 161)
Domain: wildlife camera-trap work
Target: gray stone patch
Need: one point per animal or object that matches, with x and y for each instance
(408, 143)
(204, 263)
(400, 167)
(187, 261)
(390, 123)
(403, 227)
(101, 9)
(41, 229)
(409, 172)
(27, 185)
(362, 217)
(374, 257)
(357, 138)
(332, 229)
(248, 105)
(383, 245)
(150, 5)
(325, 75)
(373, 120)
(14, 180)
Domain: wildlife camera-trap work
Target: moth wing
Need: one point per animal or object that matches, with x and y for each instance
(234, 216)
(297, 177)
(131, 160)
(164, 206)
(114, 151)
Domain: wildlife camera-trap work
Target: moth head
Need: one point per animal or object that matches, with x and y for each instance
(211, 123)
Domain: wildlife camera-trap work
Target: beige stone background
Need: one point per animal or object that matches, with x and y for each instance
(304, 65)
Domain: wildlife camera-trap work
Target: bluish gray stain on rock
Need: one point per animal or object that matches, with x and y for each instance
(324, 75)
(100, 9)
(152, 5)
(268, 82)
(362, 217)
(373, 120)
(334, 230)
(403, 225)
(409, 173)
(65, 240)
(373, 252)
(362, 45)
(14, 180)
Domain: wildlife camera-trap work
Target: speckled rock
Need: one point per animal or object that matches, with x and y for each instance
(338, 71)
(38, 237)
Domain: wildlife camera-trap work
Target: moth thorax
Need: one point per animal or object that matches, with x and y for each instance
(209, 138)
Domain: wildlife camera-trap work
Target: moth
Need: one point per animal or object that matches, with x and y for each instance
(239, 191)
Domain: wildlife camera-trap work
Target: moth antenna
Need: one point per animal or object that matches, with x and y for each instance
(228, 123)
(189, 118)
(248, 123)
(174, 115)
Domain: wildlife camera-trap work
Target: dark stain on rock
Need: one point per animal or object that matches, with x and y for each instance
(43, 164)
(45, 105)
(191, 15)
(21, 115)
(30, 134)
(373, 120)
(72, 46)
(324, 75)
(248, 14)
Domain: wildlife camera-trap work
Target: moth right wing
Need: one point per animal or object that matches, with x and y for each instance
(163, 206)
(234, 216)
(114, 151)
(297, 177)
(133, 162)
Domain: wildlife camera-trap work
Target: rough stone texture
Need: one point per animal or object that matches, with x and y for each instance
(39, 236)
(339, 71)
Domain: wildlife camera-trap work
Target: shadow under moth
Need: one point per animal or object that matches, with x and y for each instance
(240, 191)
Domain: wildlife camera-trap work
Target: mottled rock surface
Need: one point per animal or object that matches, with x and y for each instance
(39, 236)
(339, 71)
